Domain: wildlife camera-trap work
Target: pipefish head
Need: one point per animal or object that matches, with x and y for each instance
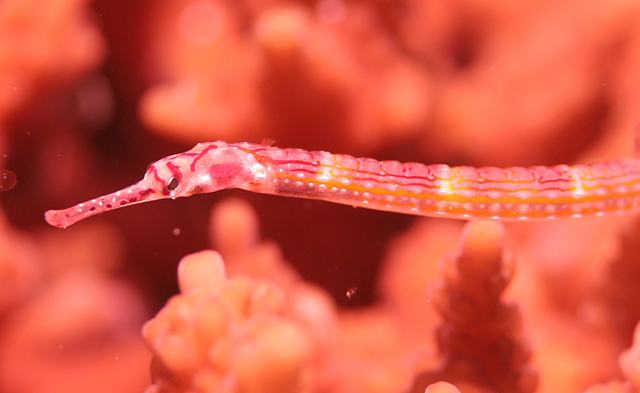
(208, 167)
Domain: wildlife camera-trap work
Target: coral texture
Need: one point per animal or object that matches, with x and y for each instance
(91, 92)
(441, 387)
(223, 335)
(481, 338)
(630, 360)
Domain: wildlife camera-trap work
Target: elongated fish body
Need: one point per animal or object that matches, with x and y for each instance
(514, 193)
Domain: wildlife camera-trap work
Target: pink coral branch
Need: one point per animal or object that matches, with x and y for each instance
(226, 335)
(621, 287)
(481, 337)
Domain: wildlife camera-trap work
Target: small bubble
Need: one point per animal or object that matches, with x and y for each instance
(8, 180)
(176, 231)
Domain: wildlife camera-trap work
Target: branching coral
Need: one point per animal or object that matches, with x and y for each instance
(455, 82)
(346, 357)
(80, 328)
(57, 43)
(226, 335)
(479, 76)
(481, 338)
(441, 387)
(228, 78)
(621, 287)
(629, 362)
(20, 272)
(235, 232)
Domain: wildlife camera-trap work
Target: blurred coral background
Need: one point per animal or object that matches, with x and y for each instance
(299, 295)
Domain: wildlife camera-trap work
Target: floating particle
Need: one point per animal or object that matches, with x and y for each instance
(351, 292)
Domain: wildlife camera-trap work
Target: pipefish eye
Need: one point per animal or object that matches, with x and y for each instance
(173, 184)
